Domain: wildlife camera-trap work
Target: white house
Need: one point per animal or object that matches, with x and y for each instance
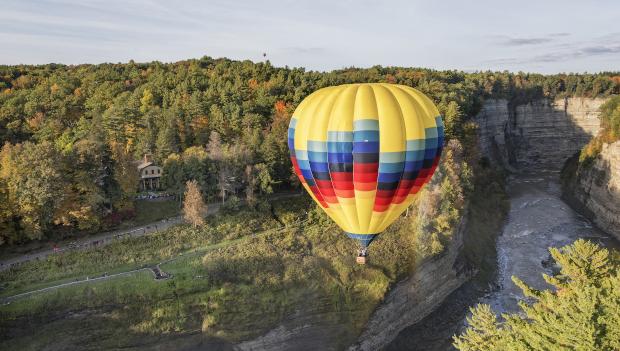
(150, 174)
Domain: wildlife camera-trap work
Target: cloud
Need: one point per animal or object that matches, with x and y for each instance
(525, 41)
(565, 55)
(505, 40)
(600, 50)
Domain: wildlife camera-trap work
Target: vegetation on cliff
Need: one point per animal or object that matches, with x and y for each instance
(580, 312)
(610, 131)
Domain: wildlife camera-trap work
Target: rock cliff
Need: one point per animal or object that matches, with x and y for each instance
(417, 296)
(595, 189)
(542, 134)
(407, 303)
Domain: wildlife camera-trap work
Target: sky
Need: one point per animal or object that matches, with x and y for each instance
(545, 36)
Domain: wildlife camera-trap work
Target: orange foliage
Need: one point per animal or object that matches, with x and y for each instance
(199, 123)
(280, 107)
(253, 84)
(35, 121)
(616, 80)
(281, 118)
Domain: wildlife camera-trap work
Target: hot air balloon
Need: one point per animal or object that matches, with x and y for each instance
(363, 151)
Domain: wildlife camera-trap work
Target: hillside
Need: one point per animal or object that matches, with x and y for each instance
(73, 132)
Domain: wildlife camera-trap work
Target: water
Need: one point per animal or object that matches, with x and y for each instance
(538, 219)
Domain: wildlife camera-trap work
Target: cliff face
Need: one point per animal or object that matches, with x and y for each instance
(407, 303)
(595, 189)
(542, 134)
(417, 296)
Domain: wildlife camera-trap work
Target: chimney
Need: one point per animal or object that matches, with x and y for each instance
(148, 158)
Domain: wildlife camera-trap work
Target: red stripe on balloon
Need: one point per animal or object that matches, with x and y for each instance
(342, 185)
(415, 189)
(365, 177)
(385, 193)
(318, 195)
(297, 170)
(380, 208)
(365, 186)
(341, 176)
(383, 200)
(365, 167)
(345, 193)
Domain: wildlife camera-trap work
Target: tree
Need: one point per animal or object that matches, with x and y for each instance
(34, 185)
(174, 175)
(581, 312)
(194, 208)
(125, 175)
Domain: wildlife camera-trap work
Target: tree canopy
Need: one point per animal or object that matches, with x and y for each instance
(220, 122)
(580, 312)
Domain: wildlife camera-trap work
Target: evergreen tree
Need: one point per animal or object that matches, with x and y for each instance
(580, 312)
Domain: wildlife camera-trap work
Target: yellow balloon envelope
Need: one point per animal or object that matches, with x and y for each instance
(363, 151)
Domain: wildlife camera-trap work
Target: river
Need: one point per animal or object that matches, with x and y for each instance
(538, 219)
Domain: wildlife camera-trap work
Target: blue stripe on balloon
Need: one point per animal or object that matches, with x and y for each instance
(415, 145)
(346, 147)
(411, 166)
(414, 155)
(365, 124)
(430, 153)
(391, 167)
(389, 177)
(346, 137)
(319, 166)
(366, 147)
(340, 157)
(320, 146)
(430, 133)
(365, 135)
(391, 157)
(314, 156)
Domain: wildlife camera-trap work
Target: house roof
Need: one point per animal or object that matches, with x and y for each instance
(143, 165)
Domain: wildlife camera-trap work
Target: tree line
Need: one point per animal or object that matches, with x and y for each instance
(71, 134)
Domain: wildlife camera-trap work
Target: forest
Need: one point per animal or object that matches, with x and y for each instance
(71, 135)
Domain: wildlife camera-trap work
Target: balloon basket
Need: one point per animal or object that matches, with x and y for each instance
(361, 260)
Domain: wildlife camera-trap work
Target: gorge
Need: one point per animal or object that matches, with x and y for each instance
(531, 141)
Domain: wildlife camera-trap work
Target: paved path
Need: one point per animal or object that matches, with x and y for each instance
(105, 238)
(8, 299)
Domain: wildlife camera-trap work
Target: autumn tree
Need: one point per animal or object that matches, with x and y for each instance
(194, 208)
(34, 185)
(580, 312)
